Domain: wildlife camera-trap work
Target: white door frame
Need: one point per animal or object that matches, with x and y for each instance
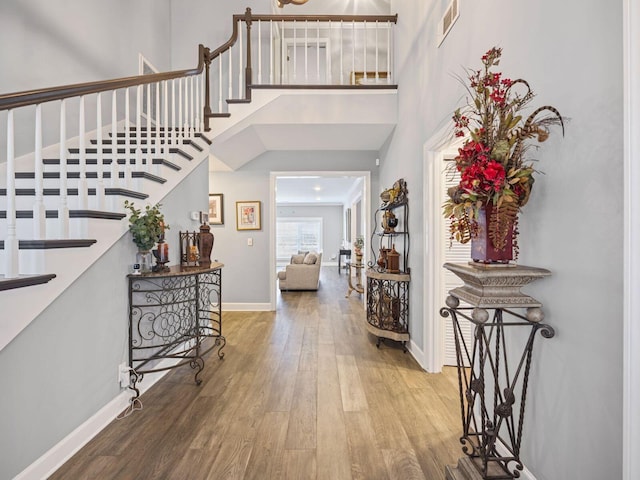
(309, 42)
(366, 212)
(434, 151)
(631, 351)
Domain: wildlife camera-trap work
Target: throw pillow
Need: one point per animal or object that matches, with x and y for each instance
(310, 259)
(297, 259)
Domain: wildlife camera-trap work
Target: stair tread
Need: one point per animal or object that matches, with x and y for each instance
(54, 243)
(24, 281)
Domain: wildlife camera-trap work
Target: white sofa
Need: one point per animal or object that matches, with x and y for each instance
(303, 273)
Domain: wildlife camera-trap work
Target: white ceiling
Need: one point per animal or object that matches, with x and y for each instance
(327, 120)
(329, 189)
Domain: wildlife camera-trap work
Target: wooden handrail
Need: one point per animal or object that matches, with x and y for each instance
(249, 17)
(33, 97)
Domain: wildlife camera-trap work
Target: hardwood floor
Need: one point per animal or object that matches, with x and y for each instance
(302, 393)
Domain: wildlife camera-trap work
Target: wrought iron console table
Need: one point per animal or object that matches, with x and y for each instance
(171, 314)
(493, 393)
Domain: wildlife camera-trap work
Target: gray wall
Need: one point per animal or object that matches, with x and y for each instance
(63, 367)
(45, 44)
(247, 272)
(211, 25)
(332, 225)
(571, 56)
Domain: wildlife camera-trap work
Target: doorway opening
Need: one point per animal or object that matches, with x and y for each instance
(321, 200)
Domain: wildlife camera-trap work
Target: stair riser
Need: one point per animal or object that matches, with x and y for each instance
(51, 260)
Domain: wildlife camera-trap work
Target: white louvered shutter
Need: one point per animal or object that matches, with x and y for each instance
(457, 253)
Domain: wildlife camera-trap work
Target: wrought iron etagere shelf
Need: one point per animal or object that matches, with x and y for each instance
(387, 284)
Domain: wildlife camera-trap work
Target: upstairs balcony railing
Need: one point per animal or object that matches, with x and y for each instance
(299, 51)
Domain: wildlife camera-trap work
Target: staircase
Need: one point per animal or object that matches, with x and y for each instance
(49, 265)
(61, 206)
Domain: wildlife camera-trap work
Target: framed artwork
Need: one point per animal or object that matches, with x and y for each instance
(248, 215)
(216, 210)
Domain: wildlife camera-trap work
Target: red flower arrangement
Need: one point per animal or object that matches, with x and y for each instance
(491, 163)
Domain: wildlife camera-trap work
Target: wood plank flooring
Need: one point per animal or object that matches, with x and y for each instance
(302, 393)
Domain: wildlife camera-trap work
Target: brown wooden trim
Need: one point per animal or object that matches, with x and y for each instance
(321, 18)
(95, 214)
(324, 87)
(34, 97)
(248, 16)
(25, 281)
(48, 244)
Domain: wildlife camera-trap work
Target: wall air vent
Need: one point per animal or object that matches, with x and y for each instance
(449, 18)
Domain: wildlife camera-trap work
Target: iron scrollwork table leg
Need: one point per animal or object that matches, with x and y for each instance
(171, 314)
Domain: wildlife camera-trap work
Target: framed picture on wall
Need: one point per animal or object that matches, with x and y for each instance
(248, 215)
(216, 210)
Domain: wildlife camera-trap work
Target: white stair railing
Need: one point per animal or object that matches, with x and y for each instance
(76, 172)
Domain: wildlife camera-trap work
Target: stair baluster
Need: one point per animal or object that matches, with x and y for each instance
(114, 138)
(83, 199)
(63, 207)
(11, 242)
(39, 212)
(100, 189)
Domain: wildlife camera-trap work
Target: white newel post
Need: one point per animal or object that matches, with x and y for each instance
(11, 269)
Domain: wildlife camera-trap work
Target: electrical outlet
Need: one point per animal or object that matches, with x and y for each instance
(123, 375)
(250, 242)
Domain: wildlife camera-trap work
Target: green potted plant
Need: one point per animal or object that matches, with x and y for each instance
(147, 227)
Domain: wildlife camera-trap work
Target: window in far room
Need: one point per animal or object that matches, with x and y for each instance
(297, 234)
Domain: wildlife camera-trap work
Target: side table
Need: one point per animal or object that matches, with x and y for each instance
(347, 253)
(355, 268)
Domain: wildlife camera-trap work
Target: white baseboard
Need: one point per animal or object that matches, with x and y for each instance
(246, 307)
(417, 353)
(525, 474)
(55, 457)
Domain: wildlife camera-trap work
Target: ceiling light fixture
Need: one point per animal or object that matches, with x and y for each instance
(282, 3)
